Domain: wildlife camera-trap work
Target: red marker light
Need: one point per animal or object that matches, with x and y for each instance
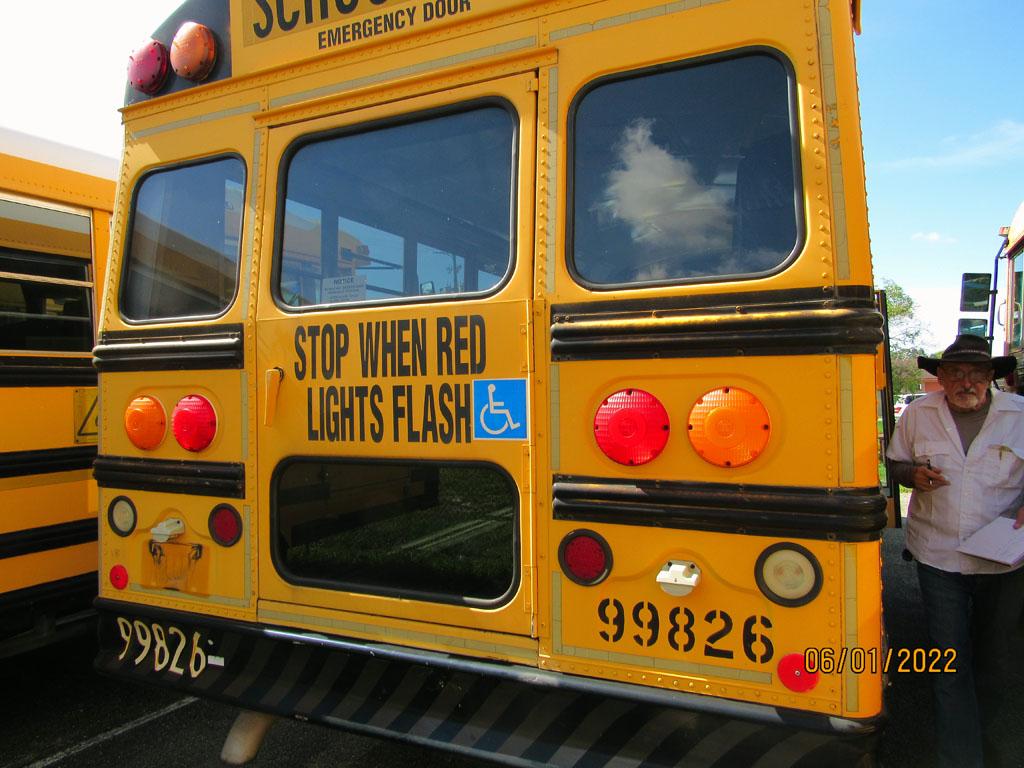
(585, 557)
(794, 675)
(147, 67)
(119, 577)
(225, 525)
(194, 423)
(631, 427)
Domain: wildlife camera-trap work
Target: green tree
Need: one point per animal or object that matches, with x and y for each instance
(905, 331)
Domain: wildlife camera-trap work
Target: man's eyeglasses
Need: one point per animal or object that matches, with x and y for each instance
(973, 375)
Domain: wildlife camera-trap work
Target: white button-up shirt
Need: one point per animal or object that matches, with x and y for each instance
(983, 484)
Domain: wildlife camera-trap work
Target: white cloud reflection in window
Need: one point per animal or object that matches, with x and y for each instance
(659, 197)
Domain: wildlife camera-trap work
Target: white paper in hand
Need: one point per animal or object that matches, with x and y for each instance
(997, 541)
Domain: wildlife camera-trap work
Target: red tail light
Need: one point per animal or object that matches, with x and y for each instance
(631, 427)
(585, 557)
(147, 67)
(194, 423)
(225, 525)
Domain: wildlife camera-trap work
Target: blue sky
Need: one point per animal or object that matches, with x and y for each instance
(943, 124)
(943, 120)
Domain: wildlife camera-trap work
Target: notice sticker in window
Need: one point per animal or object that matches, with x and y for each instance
(338, 290)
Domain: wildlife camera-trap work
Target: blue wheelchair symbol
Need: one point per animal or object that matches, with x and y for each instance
(499, 407)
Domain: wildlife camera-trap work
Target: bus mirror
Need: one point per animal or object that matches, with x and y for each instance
(975, 326)
(974, 291)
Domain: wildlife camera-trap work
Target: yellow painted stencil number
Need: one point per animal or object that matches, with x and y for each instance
(153, 637)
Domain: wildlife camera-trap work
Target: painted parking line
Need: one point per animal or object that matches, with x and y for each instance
(113, 733)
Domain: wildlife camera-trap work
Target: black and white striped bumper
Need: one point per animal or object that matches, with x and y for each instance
(508, 713)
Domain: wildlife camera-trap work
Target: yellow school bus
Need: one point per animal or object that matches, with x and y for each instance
(55, 208)
(499, 375)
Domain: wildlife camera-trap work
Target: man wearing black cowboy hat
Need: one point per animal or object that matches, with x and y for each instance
(962, 451)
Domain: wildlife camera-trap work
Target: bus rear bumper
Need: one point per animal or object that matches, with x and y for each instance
(511, 713)
(46, 613)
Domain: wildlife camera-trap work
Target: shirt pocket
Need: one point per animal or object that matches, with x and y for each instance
(1003, 465)
(938, 453)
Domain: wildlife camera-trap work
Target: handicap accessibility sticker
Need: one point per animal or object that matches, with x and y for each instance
(499, 409)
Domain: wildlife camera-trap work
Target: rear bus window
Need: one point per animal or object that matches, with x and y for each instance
(683, 174)
(443, 532)
(184, 243)
(400, 211)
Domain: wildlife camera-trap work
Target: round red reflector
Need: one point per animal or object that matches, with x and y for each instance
(194, 423)
(193, 51)
(119, 577)
(631, 426)
(225, 525)
(794, 675)
(147, 67)
(585, 557)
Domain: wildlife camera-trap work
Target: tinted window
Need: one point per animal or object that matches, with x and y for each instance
(184, 242)
(686, 173)
(443, 532)
(418, 209)
(39, 315)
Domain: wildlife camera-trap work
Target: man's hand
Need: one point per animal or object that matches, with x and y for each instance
(928, 479)
(1020, 518)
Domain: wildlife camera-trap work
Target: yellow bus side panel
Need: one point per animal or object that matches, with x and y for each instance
(38, 418)
(29, 177)
(44, 567)
(42, 500)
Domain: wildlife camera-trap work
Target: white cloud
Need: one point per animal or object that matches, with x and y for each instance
(658, 195)
(932, 237)
(993, 146)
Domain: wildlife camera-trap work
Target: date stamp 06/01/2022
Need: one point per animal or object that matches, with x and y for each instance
(874, 660)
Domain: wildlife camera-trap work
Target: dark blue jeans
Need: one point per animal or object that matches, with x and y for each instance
(976, 615)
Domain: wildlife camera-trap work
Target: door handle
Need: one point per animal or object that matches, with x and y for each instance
(272, 378)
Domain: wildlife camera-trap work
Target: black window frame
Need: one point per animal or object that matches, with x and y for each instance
(331, 586)
(130, 230)
(798, 187)
(85, 284)
(389, 122)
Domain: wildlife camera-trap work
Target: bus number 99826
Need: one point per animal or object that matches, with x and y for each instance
(681, 634)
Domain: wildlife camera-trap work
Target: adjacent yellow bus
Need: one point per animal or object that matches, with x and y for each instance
(55, 209)
(499, 375)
